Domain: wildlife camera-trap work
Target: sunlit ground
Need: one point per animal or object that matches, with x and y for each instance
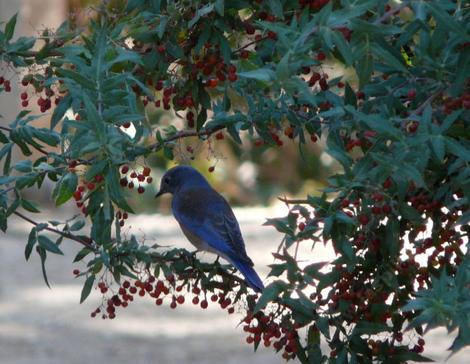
(43, 326)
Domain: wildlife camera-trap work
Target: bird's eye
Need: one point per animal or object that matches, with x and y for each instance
(166, 180)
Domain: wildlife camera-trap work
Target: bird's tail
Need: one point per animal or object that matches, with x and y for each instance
(251, 277)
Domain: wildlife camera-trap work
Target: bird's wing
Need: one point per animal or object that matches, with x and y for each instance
(207, 215)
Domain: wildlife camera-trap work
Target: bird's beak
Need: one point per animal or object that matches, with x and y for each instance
(159, 193)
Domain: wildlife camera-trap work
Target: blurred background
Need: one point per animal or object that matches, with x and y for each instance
(41, 325)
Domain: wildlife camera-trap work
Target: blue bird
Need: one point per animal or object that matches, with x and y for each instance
(207, 219)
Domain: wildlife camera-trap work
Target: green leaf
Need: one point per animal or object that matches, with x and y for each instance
(161, 26)
(220, 7)
(343, 47)
(261, 74)
(77, 77)
(65, 188)
(3, 138)
(457, 149)
(29, 206)
(60, 110)
(10, 27)
(77, 225)
(270, 293)
(276, 8)
(82, 254)
(87, 288)
(446, 21)
(32, 239)
(201, 119)
(388, 58)
(24, 166)
(438, 146)
(206, 9)
(370, 328)
(43, 255)
(49, 245)
(364, 67)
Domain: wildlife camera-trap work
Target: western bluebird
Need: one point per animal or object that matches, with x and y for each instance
(207, 219)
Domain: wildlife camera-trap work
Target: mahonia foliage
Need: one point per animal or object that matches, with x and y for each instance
(385, 85)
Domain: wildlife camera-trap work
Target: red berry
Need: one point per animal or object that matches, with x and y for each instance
(141, 189)
(90, 186)
(211, 169)
(411, 94)
(76, 272)
(321, 56)
(24, 95)
(387, 183)
(232, 77)
(301, 226)
(244, 54)
(213, 82)
(124, 169)
(146, 171)
(24, 103)
(204, 304)
(363, 219)
(219, 135)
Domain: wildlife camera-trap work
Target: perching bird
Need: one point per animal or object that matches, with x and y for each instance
(207, 219)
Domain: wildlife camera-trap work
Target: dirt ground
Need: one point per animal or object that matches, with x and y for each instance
(48, 326)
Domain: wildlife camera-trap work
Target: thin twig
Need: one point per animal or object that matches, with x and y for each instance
(294, 201)
(5, 128)
(2, 192)
(185, 134)
(390, 13)
(250, 44)
(430, 99)
(62, 233)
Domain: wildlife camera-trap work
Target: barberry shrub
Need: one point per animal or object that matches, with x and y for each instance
(385, 85)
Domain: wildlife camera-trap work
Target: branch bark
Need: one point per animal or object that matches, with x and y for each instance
(84, 242)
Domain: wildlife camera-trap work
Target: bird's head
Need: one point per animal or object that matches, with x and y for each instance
(181, 177)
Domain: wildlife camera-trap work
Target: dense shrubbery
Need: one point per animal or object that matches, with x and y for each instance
(386, 85)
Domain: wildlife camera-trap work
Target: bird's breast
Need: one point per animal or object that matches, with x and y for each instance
(199, 243)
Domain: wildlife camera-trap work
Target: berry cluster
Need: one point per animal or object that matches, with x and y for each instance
(170, 289)
(135, 178)
(278, 331)
(5, 83)
(83, 191)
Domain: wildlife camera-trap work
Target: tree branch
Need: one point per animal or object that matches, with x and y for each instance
(390, 13)
(185, 134)
(430, 99)
(85, 242)
(293, 201)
